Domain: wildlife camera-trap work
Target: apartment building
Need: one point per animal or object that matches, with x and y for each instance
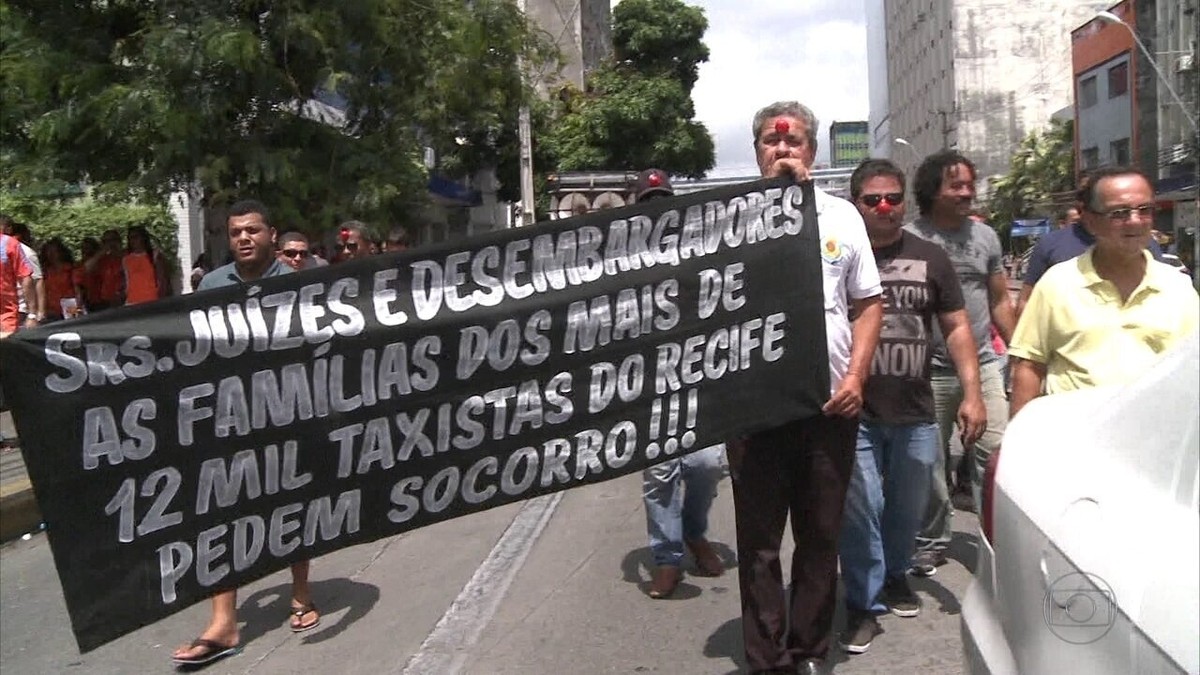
(975, 75)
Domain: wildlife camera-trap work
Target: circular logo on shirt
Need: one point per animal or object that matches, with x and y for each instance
(831, 249)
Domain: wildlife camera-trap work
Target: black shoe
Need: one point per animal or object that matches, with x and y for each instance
(861, 629)
(900, 598)
(925, 563)
(810, 667)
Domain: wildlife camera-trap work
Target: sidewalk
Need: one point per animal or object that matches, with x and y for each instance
(18, 508)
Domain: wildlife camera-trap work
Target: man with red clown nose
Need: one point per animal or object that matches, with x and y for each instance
(802, 468)
(898, 438)
(350, 241)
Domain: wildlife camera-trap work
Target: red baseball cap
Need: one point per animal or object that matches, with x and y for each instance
(652, 182)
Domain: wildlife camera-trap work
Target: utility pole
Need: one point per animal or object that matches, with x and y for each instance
(526, 139)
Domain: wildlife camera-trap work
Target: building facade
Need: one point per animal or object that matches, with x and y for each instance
(977, 75)
(1104, 71)
(849, 143)
(879, 118)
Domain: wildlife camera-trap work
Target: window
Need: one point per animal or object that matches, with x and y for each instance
(1118, 151)
(1118, 80)
(1087, 92)
(1091, 158)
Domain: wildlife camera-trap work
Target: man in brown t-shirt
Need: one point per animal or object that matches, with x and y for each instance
(898, 436)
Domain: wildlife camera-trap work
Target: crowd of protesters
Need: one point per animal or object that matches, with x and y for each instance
(867, 485)
(131, 269)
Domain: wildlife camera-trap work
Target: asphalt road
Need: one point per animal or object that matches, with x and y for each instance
(549, 586)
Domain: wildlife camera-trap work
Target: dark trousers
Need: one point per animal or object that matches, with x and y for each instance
(802, 468)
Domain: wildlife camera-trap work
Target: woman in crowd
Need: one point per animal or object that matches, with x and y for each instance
(145, 269)
(63, 280)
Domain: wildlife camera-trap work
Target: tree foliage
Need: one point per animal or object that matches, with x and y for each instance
(637, 110)
(247, 97)
(73, 220)
(1040, 179)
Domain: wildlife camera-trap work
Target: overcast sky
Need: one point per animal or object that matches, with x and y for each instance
(812, 51)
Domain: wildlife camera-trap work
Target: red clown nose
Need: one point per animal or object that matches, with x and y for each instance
(344, 234)
(884, 208)
(654, 180)
(782, 126)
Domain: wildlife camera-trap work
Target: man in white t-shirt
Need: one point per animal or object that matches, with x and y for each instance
(804, 467)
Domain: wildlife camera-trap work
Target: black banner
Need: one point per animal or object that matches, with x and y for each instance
(205, 441)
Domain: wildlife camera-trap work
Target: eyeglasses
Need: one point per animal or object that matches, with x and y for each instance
(351, 246)
(294, 253)
(893, 198)
(1123, 214)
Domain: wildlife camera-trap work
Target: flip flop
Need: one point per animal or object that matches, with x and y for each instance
(215, 652)
(299, 613)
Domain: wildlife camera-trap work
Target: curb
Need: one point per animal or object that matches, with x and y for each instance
(19, 511)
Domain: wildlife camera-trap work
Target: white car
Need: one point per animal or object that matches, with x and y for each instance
(1089, 555)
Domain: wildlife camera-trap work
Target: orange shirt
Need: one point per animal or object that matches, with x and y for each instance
(13, 268)
(141, 283)
(60, 283)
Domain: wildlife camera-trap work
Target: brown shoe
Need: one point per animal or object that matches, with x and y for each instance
(708, 563)
(664, 581)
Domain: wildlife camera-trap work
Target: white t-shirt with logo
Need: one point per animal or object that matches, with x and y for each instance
(848, 265)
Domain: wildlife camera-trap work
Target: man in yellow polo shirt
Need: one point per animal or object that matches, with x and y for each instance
(1106, 316)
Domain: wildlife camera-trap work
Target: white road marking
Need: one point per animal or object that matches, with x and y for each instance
(448, 646)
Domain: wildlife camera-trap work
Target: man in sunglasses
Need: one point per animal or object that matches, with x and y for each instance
(898, 437)
(944, 188)
(1105, 317)
(1061, 245)
(351, 241)
(293, 251)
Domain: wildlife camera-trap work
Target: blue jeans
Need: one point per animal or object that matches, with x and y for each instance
(677, 494)
(888, 495)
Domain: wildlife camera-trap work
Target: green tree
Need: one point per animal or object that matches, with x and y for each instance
(637, 110)
(321, 109)
(1040, 179)
(75, 219)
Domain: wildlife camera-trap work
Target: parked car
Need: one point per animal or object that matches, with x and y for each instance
(1089, 555)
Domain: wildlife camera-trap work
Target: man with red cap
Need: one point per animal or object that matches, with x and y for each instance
(898, 439)
(652, 183)
(677, 494)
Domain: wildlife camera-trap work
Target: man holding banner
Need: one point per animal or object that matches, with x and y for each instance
(252, 243)
(804, 467)
(678, 493)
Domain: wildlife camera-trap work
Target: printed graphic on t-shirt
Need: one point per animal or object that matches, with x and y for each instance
(903, 339)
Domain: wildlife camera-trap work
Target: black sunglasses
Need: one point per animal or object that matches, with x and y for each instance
(350, 246)
(893, 198)
(293, 253)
